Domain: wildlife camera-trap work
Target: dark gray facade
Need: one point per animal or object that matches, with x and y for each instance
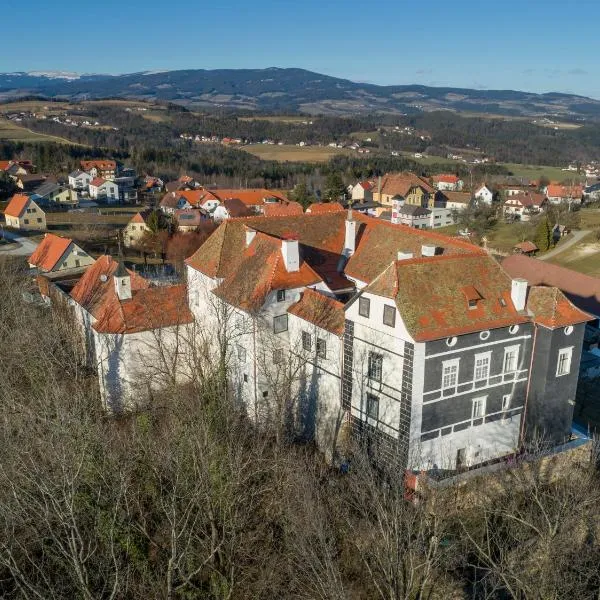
(551, 400)
(445, 410)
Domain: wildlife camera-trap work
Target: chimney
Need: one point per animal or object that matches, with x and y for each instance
(291, 255)
(350, 240)
(427, 250)
(250, 233)
(404, 254)
(518, 293)
(122, 281)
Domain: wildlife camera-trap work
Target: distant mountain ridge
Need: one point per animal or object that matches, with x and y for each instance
(291, 90)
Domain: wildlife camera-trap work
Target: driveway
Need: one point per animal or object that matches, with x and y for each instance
(22, 246)
(577, 237)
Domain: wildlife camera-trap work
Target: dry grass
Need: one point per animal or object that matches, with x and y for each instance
(583, 256)
(11, 132)
(77, 219)
(281, 119)
(294, 153)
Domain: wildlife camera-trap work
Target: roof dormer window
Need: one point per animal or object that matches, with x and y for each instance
(473, 296)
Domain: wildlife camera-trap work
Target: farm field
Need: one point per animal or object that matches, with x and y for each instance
(294, 153)
(293, 120)
(537, 171)
(11, 132)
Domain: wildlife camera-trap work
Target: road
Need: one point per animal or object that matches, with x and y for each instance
(577, 236)
(24, 246)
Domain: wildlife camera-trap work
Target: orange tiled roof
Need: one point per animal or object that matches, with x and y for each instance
(95, 292)
(582, 290)
(96, 285)
(551, 308)
(564, 191)
(460, 197)
(148, 309)
(526, 199)
(432, 295)
(4, 164)
(321, 239)
(321, 310)
(446, 178)
(324, 207)
(282, 209)
(18, 203)
(400, 184)
(251, 197)
(97, 181)
(260, 271)
(527, 247)
(49, 252)
(102, 165)
(140, 217)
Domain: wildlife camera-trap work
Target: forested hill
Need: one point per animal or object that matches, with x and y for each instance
(288, 90)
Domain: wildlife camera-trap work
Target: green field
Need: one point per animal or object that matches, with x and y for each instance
(537, 171)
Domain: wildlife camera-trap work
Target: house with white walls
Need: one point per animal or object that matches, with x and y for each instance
(419, 343)
(104, 189)
(484, 194)
(79, 180)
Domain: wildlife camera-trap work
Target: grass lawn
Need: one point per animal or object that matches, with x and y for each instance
(293, 120)
(536, 171)
(590, 218)
(504, 236)
(11, 132)
(294, 153)
(77, 219)
(583, 256)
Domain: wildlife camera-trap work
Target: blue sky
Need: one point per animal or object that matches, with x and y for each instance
(527, 45)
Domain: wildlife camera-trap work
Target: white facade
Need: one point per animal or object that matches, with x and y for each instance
(80, 181)
(484, 194)
(108, 191)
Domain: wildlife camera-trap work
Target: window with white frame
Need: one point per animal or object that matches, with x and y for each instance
(511, 359)
(482, 367)
(563, 366)
(449, 374)
(478, 408)
(372, 406)
(505, 401)
(375, 367)
(280, 295)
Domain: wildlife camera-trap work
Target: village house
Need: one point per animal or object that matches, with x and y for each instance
(415, 341)
(173, 201)
(28, 182)
(408, 186)
(484, 194)
(106, 169)
(136, 229)
(229, 209)
(103, 189)
(189, 220)
(564, 193)
(452, 200)
(58, 254)
(185, 182)
(362, 191)
(446, 182)
(526, 248)
(411, 215)
(254, 199)
(79, 180)
(52, 193)
(23, 213)
(523, 205)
